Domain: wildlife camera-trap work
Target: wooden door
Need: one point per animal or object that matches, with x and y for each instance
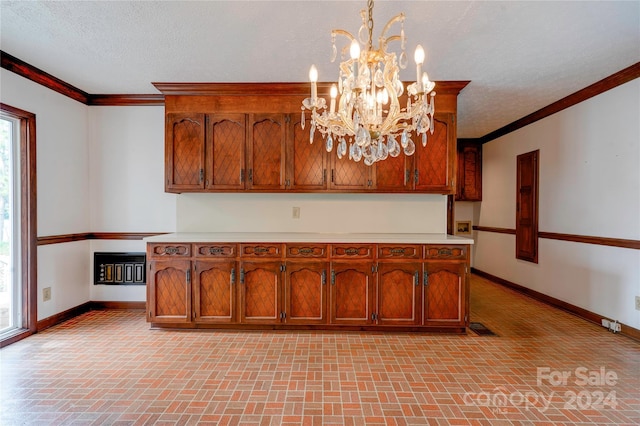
(308, 162)
(184, 152)
(260, 294)
(214, 291)
(348, 175)
(527, 207)
(394, 174)
(266, 151)
(444, 299)
(399, 293)
(305, 292)
(435, 163)
(352, 293)
(169, 287)
(225, 153)
(469, 180)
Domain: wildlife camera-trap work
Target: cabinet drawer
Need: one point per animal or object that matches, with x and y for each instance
(352, 251)
(215, 250)
(400, 251)
(261, 250)
(445, 252)
(306, 250)
(169, 250)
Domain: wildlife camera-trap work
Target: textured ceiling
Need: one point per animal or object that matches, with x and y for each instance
(519, 55)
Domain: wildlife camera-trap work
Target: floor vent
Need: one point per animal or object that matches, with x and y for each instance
(480, 329)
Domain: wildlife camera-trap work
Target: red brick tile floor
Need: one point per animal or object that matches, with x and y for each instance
(544, 366)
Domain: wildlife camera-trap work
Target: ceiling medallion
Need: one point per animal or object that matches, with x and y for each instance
(367, 115)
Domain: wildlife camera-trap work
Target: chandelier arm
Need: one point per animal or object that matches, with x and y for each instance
(347, 34)
(385, 41)
(397, 18)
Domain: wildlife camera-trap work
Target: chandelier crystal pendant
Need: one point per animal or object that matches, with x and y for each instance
(368, 116)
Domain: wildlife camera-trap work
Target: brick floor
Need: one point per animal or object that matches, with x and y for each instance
(108, 368)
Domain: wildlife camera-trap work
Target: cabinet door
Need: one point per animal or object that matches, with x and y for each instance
(226, 140)
(348, 175)
(399, 293)
(214, 291)
(307, 165)
(266, 152)
(184, 152)
(305, 292)
(169, 287)
(352, 293)
(394, 174)
(469, 172)
(444, 299)
(260, 299)
(434, 164)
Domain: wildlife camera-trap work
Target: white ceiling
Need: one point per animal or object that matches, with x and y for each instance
(519, 55)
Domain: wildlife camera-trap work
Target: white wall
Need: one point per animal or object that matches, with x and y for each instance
(589, 185)
(62, 186)
(126, 159)
(383, 213)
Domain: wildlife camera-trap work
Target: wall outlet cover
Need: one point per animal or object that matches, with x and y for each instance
(46, 294)
(638, 303)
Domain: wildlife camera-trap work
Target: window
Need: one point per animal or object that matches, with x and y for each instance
(17, 225)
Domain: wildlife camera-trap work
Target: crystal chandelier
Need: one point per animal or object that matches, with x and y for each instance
(369, 117)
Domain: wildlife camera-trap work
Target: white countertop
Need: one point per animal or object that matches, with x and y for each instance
(306, 237)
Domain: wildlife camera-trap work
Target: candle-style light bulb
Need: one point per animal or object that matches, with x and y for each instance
(419, 58)
(313, 76)
(334, 94)
(354, 50)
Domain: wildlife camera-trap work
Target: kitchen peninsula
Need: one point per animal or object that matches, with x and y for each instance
(324, 281)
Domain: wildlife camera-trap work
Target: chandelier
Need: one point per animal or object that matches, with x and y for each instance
(369, 116)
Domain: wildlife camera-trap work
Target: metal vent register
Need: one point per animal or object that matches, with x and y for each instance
(119, 268)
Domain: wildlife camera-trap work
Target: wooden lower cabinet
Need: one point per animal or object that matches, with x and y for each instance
(352, 293)
(444, 295)
(261, 292)
(305, 293)
(316, 286)
(169, 291)
(214, 291)
(399, 293)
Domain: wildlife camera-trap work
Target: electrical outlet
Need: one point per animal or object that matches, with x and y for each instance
(46, 294)
(296, 213)
(638, 303)
(605, 323)
(615, 327)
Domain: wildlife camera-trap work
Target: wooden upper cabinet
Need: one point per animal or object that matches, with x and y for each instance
(347, 175)
(469, 182)
(225, 151)
(435, 164)
(184, 152)
(266, 151)
(395, 174)
(307, 162)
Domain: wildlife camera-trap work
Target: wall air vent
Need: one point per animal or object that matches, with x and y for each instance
(119, 268)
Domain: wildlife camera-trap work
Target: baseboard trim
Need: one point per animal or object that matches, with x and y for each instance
(99, 305)
(557, 303)
(61, 317)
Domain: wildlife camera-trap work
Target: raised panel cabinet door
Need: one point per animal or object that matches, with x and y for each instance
(444, 296)
(308, 162)
(266, 151)
(352, 293)
(395, 174)
(306, 292)
(469, 173)
(225, 153)
(214, 291)
(184, 152)
(399, 293)
(169, 287)
(435, 163)
(348, 175)
(260, 292)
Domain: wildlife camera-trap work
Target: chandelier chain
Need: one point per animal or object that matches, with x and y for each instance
(370, 23)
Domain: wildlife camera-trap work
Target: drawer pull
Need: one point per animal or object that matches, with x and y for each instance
(171, 250)
(397, 251)
(351, 251)
(216, 250)
(445, 252)
(261, 250)
(306, 251)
